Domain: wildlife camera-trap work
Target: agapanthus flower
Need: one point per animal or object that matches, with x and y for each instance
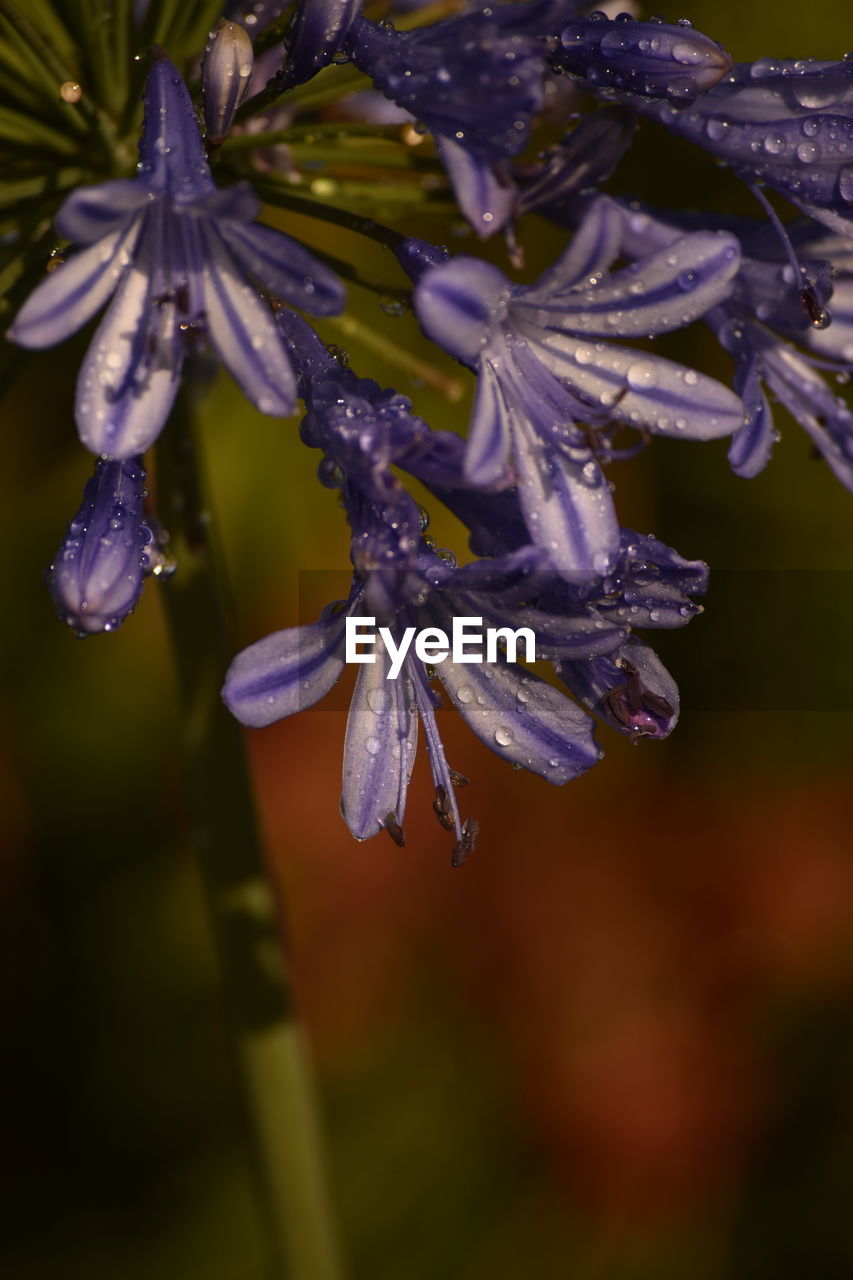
(547, 387)
(785, 122)
(654, 60)
(513, 711)
(96, 576)
(179, 255)
(772, 302)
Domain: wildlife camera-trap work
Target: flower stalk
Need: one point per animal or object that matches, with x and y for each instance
(266, 1039)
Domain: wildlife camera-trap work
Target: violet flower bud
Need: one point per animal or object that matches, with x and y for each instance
(651, 59)
(96, 576)
(225, 75)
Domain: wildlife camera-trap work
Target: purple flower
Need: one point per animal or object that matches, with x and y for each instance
(651, 59)
(96, 576)
(770, 304)
(178, 255)
(784, 122)
(511, 710)
(542, 371)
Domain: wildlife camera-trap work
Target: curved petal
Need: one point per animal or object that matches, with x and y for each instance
(286, 671)
(594, 246)
(567, 504)
(459, 303)
(488, 434)
(90, 213)
(663, 291)
(284, 267)
(522, 718)
(638, 388)
(130, 375)
(379, 749)
(71, 294)
(485, 196)
(243, 331)
(749, 451)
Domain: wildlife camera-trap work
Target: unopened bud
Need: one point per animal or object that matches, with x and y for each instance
(227, 68)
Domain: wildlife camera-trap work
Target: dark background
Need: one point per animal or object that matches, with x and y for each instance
(618, 1045)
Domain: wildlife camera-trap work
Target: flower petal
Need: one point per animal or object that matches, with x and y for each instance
(638, 388)
(90, 213)
(379, 749)
(459, 302)
(284, 267)
(243, 331)
(522, 718)
(71, 294)
(129, 377)
(485, 196)
(594, 246)
(631, 690)
(663, 291)
(286, 671)
(488, 433)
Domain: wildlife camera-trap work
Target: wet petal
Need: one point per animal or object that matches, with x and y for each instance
(488, 434)
(90, 213)
(286, 671)
(459, 303)
(663, 291)
(643, 390)
(486, 198)
(594, 246)
(71, 294)
(567, 504)
(243, 331)
(171, 154)
(631, 690)
(379, 749)
(285, 268)
(129, 377)
(522, 719)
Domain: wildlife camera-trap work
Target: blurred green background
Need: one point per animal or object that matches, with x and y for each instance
(618, 1045)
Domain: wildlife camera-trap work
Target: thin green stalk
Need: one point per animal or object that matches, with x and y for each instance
(277, 194)
(29, 132)
(354, 330)
(268, 1043)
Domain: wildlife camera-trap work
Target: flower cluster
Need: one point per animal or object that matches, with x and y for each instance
(563, 369)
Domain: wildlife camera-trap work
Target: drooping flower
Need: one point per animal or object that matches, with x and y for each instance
(785, 122)
(654, 60)
(179, 255)
(775, 303)
(514, 712)
(542, 371)
(96, 576)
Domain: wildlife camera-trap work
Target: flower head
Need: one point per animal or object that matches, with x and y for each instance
(178, 254)
(542, 373)
(97, 573)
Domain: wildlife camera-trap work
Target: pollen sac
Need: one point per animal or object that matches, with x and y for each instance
(652, 60)
(227, 68)
(96, 577)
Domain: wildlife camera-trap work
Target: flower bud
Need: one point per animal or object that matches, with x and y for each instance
(227, 67)
(96, 577)
(651, 59)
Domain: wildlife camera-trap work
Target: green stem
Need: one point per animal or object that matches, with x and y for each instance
(277, 193)
(268, 1043)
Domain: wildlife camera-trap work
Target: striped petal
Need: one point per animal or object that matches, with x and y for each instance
(284, 267)
(74, 292)
(379, 749)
